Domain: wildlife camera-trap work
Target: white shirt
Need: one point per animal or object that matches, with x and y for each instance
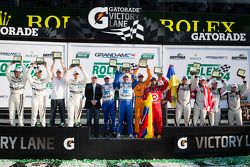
(58, 88)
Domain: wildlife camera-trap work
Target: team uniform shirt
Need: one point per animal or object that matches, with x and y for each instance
(184, 94)
(107, 92)
(58, 88)
(17, 85)
(38, 85)
(125, 91)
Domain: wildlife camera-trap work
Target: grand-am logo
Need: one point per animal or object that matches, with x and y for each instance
(120, 21)
(116, 55)
(10, 54)
(182, 143)
(240, 57)
(216, 57)
(14, 31)
(179, 56)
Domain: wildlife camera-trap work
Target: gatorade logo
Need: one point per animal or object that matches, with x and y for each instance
(182, 143)
(69, 143)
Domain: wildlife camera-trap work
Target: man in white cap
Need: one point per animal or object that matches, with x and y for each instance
(215, 115)
(202, 103)
(17, 85)
(38, 85)
(183, 102)
(93, 94)
(125, 100)
(233, 100)
(108, 107)
(76, 86)
(139, 92)
(58, 93)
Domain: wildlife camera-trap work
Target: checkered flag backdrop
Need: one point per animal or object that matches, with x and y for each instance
(224, 68)
(126, 33)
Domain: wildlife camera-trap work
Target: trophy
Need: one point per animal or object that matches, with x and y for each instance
(241, 73)
(143, 63)
(195, 68)
(17, 59)
(197, 65)
(216, 74)
(126, 66)
(75, 62)
(158, 70)
(113, 62)
(40, 60)
(57, 55)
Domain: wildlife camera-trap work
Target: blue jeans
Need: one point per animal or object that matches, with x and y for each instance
(125, 111)
(108, 108)
(60, 103)
(90, 112)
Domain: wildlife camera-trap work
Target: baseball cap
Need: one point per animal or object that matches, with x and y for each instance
(125, 76)
(214, 81)
(184, 77)
(39, 69)
(58, 70)
(234, 85)
(140, 74)
(75, 72)
(106, 77)
(153, 78)
(202, 78)
(94, 76)
(18, 69)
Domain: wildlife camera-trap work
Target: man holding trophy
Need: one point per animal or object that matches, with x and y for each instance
(139, 92)
(17, 85)
(233, 100)
(76, 85)
(38, 84)
(215, 114)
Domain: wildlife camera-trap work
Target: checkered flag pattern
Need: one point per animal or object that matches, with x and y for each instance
(126, 33)
(224, 68)
(133, 66)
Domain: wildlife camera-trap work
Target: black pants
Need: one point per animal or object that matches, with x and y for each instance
(61, 105)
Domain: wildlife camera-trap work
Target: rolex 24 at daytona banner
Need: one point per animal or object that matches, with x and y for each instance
(123, 25)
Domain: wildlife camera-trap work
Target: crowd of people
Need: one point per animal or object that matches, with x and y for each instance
(132, 90)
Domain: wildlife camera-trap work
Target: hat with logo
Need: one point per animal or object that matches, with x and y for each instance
(214, 81)
(125, 76)
(75, 72)
(184, 77)
(106, 77)
(234, 85)
(140, 75)
(39, 69)
(153, 78)
(18, 69)
(202, 78)
(58, 70)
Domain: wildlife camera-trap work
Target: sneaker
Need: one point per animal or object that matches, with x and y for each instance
(118, 136)
(131, 136)
(114, 135)
(38, 124)
(62, 124)
(106, 134)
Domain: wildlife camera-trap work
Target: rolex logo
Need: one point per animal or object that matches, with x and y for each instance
(4, 19)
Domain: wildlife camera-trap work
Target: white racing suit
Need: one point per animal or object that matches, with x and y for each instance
(199, 107)
(215, 115)
(183, 104)
(16, 98)
(38, 86)
(234, 109)
(74, 107)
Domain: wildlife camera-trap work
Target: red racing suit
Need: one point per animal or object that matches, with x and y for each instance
(156, 92)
